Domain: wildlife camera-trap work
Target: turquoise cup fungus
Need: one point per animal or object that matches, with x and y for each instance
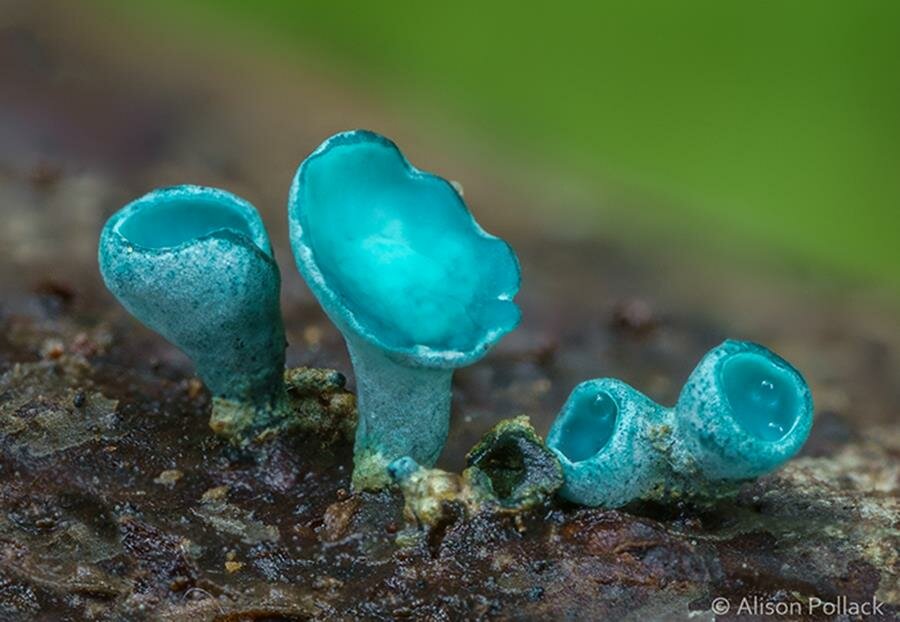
(599, 440)
(743, 412)
(195, 265)
(412, 281)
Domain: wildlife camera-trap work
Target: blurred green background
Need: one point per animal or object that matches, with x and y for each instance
(772, 128)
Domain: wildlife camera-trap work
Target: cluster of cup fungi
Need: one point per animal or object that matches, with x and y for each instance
(418, 289)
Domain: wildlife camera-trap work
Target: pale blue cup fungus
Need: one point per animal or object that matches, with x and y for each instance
(599, 440)
(195, 265)
(412, 281)
(743, 412)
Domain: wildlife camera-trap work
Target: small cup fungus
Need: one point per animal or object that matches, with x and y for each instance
(743, 412)
(195, 265)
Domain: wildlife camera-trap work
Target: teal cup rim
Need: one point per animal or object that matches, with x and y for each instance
(255, 237)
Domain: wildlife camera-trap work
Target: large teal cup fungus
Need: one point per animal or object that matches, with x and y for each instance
(743, 412)
(412, 281)
(195, 265)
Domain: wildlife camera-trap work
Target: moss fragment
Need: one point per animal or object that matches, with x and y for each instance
(314, 401)
(510, 470)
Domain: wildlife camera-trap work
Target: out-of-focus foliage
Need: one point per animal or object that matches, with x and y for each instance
(775, 123)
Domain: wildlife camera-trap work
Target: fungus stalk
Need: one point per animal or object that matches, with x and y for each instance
(406, 410)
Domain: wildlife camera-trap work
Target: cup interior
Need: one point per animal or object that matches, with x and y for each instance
(171, 223)
(402, 252)
(588, 425)
(763, 395)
